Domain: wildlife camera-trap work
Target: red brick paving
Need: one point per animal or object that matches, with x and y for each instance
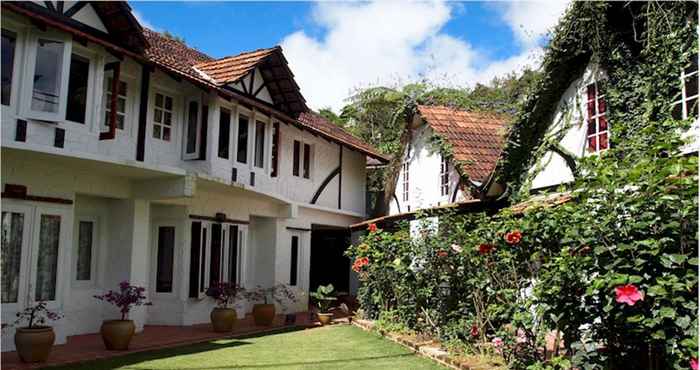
(87, 347)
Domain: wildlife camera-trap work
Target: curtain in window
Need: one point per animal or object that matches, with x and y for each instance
(47, 258)
(12, 233)
(84, 250)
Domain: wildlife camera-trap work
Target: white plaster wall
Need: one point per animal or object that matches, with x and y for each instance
(424, 176)
(568, 122)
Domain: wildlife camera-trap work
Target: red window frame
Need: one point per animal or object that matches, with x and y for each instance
(598, 133)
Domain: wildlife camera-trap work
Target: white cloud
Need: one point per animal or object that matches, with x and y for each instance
(142, 21)
(530, 20)
(389, 42)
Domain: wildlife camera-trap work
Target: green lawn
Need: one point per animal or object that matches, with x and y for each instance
(333, 347)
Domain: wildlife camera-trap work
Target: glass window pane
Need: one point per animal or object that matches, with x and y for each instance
(693, 66)
(166, 133)
(297, 157)
(166, 253)
(77, 89)
(592, 144)
(691, 107)
(591, 127)
(677, 111)
(242, 151)
(215, 259)
(259, 144)
(691, 86)
(307, 161)
(9, 40)
(591, 108)
(233, 255)
(224, 132)
(120, 121)
(122, 88)
(47, 76)
(602, 123)
(85, 230)
(159, 100)
(294, 261)
(601, 105)
(603, 141)
(156, 132)
(47, 258)
(121, 104)
(158, 115)
(167, 118)
(168, 103)
(12, 236)
(591, 91)
(192, 117)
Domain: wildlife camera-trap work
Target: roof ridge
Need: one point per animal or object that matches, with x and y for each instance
(276, 47)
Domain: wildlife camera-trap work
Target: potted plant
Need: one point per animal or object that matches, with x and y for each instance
(34, 341)
(324, 298)
(117, 334)
(264, 313)
(222, 316)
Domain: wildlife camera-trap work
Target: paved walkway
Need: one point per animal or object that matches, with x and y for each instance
(87, 347)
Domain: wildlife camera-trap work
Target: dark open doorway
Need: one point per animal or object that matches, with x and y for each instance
(329, 265)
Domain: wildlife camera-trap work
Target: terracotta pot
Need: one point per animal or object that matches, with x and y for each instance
(264, 314)
(117, 334)
(222, 319)
(325, 318)
(34, 344)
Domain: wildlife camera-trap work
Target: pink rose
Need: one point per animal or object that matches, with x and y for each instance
(628, 294)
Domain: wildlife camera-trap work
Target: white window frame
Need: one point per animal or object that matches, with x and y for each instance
(405, 184)
(302, 150)
(596, 117)
(107, 89)
(186, 127)
(444, 176)
(174, 116)
(154, 257)
(265, 120)
(250, 115)
(17, 64)
(683, 98)
(93, 74)
(93, 253)
(30, 62)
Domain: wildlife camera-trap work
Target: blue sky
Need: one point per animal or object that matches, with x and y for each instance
(335, 47)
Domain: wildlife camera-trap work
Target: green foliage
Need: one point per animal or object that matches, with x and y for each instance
(324, 296)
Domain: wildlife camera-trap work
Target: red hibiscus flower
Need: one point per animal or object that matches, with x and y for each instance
(514, 237)
(628, 294)
(694, 363)
(372, 228)
(359, 263)
(475, 331)
(486, 248)
(442, 253)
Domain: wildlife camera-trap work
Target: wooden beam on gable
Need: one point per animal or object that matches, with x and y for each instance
(262, 86)
(75, 8)
(49, 5)
(252, 81)
(59, 6)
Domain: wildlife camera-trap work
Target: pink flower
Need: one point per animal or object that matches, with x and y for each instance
(694, 363)
(497, 342)
(514, 237)
(456, 248)
(372, 228)
(628, 294)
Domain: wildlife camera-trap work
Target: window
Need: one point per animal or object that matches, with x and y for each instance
(216, 259)
(86, 232)
(47, 258)
(234, 257)
(294, 261)
(9, 42)
(687, 106)
(12, 239)
(242, 152)
(597, 135)
(77, 88)
(259, 144)
(444, 176)
(47, 76)
(165, 259)
(224, 132)
(297, 156)
(191, 142)
(307, 161)
(275, 148)
(404, 179)
(163, 117)
(121, 102)
(217, 238)
(195, 253)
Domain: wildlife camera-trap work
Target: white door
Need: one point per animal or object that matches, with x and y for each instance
(34, 242)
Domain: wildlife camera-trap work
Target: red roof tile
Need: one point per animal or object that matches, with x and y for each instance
(477, 138)
(230, 69)
(319, 123)
(174, 54)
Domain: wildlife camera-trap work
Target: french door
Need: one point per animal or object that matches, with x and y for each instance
(33, 251)
(217, 252)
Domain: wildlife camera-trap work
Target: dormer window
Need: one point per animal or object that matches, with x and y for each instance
(597, 137)
(687, 106)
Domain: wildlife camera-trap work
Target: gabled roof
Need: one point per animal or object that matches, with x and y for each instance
(314, 120)
(231, 69)
(177, 57)
(477, 138)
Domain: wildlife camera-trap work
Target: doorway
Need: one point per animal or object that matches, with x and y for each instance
(329, 265)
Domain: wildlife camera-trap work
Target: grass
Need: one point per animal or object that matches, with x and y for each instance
(332, 347)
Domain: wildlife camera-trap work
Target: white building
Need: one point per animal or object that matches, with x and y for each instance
(429, 179)
(127, 155)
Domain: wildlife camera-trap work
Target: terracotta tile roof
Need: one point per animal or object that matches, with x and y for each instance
(316, 121)
(477, 138)
(174, 54)
(226, 70)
